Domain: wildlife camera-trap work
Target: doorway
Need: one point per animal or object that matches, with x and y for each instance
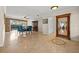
(12, 24)
(35, 25)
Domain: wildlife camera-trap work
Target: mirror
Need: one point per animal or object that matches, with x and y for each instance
(63, 26)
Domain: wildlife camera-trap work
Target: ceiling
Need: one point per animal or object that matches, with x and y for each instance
(33, 11)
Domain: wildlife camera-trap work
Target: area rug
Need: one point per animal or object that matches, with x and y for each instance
(58, 41)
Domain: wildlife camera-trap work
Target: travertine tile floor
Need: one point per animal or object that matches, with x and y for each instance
(36, 43)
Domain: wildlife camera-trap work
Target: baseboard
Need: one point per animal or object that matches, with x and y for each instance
(76, 38)
(2, 44)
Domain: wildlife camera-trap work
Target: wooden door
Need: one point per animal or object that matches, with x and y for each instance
(35, 25)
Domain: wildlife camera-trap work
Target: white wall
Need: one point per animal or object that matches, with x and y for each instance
(46, 28)
(2, 27)
(74, 20)
(50, 25)
(40, 24)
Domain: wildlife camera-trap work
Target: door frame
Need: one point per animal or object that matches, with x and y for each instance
(8, 19)
(37, 25)
(68, 25)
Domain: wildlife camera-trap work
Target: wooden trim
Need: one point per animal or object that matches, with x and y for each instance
(64, 15)
(7, 25)
(68, 22)
(16, 19)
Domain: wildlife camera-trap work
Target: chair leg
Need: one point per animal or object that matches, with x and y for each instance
(26, 32)
(30, 32)
(22, 33)
(19, 33)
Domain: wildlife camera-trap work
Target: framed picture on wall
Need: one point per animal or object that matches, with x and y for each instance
(45, 21)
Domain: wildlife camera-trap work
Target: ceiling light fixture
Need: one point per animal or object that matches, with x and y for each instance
(54, 7)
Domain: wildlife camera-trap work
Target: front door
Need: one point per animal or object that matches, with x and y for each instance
(63, 26)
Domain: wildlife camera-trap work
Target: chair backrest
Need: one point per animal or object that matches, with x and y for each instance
(29, 28)
(19, 28)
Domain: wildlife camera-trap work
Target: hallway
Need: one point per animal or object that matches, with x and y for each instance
(36, 42)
